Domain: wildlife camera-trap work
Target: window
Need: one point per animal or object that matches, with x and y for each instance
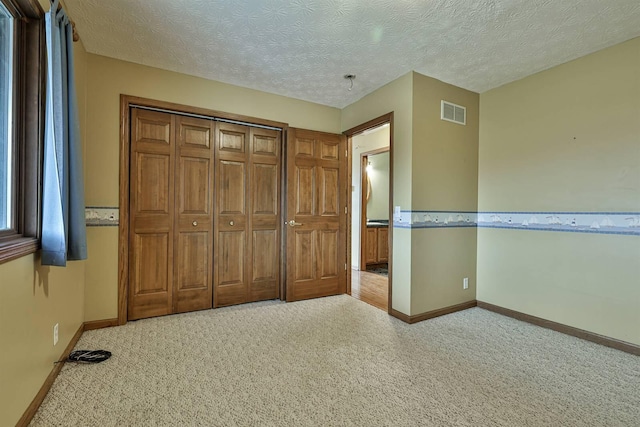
(21, 112)
(6, 97)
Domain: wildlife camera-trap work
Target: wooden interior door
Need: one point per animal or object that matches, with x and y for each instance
(193, 255)
(316, 205)
(151, 214)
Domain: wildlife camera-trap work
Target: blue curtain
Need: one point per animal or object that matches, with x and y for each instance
(63, 221)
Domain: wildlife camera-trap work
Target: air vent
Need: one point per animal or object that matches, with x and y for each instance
(453, 113)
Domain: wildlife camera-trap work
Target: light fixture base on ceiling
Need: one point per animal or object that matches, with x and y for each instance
(351, 78)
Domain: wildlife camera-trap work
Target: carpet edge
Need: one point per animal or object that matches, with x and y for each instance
(433, 313)
(625, 346)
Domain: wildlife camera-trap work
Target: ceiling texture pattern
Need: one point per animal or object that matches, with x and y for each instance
(303, 48)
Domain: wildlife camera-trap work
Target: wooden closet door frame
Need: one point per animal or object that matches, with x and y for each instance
(127, 102)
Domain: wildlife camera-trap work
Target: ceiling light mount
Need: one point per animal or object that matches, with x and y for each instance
(351, 78)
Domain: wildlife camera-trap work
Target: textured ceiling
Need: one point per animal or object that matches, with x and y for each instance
(302, 48)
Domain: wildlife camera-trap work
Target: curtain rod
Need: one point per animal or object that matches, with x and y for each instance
(76, 37)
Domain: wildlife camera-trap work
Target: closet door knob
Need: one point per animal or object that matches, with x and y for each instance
(194, 223)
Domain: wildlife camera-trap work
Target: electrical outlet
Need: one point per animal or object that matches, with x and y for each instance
(55, 334)
(465, 283)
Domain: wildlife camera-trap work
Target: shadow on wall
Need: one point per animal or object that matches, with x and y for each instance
(41, 276)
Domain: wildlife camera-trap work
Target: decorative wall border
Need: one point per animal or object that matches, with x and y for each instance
(623, 223)
(101, 216)
(435, 219)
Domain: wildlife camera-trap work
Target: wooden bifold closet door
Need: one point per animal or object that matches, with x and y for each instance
(171, 214)
(204, 214)
(247, 217)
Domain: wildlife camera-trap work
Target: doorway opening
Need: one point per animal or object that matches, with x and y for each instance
(371, 225)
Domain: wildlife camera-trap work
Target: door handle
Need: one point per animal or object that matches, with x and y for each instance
(293, 223)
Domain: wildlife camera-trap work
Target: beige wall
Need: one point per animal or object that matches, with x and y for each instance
(441, 259)
(33, 299)
(360, 144)
(101, 289)
(107, 79)
(445, 154)
(394, 97)
(445, 178)
(566, 139)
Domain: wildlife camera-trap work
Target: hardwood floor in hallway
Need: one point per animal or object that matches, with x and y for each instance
(370, 288)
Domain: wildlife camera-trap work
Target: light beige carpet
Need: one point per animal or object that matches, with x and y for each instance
(340, 362)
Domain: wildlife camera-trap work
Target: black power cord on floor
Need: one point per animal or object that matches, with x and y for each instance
(89, 356)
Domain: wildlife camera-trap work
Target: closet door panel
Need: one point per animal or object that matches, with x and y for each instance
(231, 256)
(231, 285)
(151, 129)
(194, 215)
(265, 268)
(151, 261)
(231, 250)
(247, 214)
(265, 189)
(194, 191)
(153, 180)
(193, 256)
(232, 186)
(266, 143)
(232, 138)
(151, 214)
(265, 215)
(195, 133)
(264, 274)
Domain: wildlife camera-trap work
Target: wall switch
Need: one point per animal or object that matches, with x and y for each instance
(55, 334)
(465, 283)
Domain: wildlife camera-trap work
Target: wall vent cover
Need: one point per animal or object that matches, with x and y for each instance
(453, 113)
